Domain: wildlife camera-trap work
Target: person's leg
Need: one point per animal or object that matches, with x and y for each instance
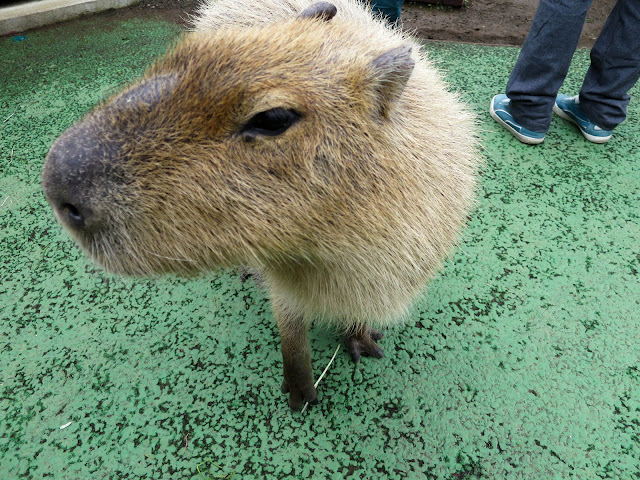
(615, 67)
(544, 61)
(389, 8)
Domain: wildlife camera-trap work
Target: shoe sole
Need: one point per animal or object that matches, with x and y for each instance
(514, 132)
(593, 139)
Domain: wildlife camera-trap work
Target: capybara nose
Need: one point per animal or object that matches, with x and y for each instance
(73, 216)
(73, 179)
(64, 196)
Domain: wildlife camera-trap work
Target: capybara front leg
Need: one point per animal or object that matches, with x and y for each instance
(296, 358)
(361, 340)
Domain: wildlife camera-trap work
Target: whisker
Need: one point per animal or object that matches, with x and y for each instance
(186, 260)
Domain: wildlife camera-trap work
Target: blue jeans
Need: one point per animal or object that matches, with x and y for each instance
(547, 53)
(389, 8)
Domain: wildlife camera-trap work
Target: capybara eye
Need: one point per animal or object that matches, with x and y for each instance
(270, 123)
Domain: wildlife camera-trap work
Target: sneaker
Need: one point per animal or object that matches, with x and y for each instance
(499, 110)
(569, 108)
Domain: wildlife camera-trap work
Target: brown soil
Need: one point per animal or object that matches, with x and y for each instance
(496, 22)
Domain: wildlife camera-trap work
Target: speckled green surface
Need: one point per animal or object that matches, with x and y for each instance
(520, 362)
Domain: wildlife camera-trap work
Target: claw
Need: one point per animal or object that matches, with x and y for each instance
(376, 334)
(299, 396)
(363, 342)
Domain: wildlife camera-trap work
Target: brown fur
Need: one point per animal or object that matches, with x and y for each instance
(346, 215)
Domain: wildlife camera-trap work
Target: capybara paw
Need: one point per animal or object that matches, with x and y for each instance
(298, 396)
(364, 343)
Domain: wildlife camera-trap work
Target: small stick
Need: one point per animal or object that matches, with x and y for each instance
(322, 375)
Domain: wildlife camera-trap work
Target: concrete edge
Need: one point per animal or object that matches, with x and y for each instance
(26, 16)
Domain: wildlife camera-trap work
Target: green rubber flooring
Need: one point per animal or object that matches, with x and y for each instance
(521, 361)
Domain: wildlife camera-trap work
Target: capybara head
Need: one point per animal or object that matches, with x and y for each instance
(241, 145)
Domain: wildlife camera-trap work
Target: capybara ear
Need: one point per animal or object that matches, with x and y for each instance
(391, 72)
(321, 10)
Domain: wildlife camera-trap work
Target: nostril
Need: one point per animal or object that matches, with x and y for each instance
(73, 214)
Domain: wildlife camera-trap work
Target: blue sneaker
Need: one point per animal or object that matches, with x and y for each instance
(499, 110)
(569, 108)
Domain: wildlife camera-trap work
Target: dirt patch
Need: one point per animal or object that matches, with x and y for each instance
(489, 22)
(495, 22)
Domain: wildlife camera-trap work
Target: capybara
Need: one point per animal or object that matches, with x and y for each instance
(309, 143)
